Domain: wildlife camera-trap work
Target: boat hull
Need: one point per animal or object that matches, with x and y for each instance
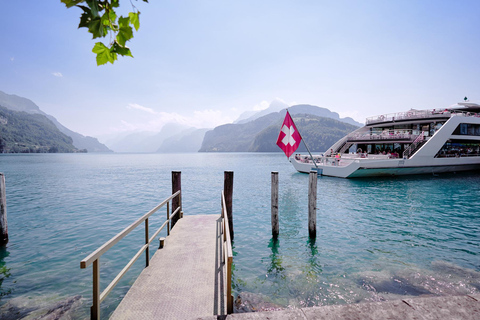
(361, 168)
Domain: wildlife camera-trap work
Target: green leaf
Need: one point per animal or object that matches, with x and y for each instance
(104, 54)
(108, 20)
(96, 28)
(93, 4)
(112, 15)
(123, 51)
(85, 18)
(134, 19)
(115, 3)
(125, 32)
(123, 21)
(71, 3)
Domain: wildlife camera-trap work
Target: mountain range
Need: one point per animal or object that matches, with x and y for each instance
(172, 138)
(22, 132)
(25, 128)
(260, 134)
(24, 105)
(234, 137)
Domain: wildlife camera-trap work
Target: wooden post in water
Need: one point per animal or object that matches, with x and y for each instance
(312, 204)
(228, 192)
(177, 201)
(3, 212)
(275, 227)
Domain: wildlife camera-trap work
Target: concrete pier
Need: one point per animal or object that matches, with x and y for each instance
(185, 279)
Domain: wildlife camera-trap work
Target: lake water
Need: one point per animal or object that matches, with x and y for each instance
(377, 239)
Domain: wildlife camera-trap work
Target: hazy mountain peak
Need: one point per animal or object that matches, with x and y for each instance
(16, 103)
(275, 106)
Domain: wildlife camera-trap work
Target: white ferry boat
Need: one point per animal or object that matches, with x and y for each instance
(405, 143)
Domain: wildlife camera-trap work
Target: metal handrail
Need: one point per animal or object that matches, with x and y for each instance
(408, 152)
(384, 135)
(419, 114)
(94, 257)
(228, 255)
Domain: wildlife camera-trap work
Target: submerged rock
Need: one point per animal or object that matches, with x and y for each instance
(444, 279)
(252, 302)
(22, 308)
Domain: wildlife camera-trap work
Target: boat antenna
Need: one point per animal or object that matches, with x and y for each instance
(305, 143)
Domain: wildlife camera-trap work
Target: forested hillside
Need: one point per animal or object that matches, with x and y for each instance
(22, 132)
(320, 133)
(261, 134)
(15, 103)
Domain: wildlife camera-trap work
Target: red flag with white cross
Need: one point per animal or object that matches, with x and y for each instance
(289, 137)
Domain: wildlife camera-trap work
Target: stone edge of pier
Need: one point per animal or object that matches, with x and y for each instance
(422, 308)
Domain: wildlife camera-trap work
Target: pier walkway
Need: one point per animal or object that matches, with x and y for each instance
(185, 279)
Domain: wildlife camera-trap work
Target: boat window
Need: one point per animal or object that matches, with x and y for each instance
(459, 148)
(467, 129)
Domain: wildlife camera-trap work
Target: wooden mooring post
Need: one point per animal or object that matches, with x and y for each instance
(177, 201)
(228, 192)
(3, 212)
(312, 204)
(275, 227)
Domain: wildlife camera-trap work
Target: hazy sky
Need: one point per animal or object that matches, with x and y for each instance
(203, 63)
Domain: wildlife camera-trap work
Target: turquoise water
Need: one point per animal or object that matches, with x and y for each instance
(377, 239)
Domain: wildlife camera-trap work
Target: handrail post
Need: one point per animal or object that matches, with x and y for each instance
(312, 205)
(223, 217)
(229, 286)
(95, 310)
(168, 218)
(147, 250)
(275, 226)
(177, 201)
(3, 212)
(228, 193)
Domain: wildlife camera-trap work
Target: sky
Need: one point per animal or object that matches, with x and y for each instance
(203, 63)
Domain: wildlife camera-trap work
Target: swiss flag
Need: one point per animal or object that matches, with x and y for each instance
(289, 137)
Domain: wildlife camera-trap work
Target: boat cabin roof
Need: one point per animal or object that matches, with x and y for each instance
(467, 107)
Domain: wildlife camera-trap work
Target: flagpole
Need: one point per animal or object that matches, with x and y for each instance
(308, 151)
(305, 143)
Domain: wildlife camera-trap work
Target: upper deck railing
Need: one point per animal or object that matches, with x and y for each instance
(408, 135)
(419, 114)
(409, 115)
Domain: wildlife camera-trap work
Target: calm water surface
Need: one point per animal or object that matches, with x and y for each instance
(377, 239)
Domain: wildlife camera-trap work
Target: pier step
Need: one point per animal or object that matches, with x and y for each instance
(185, 279)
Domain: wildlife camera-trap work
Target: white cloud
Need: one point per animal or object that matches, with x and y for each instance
(142, 108)
(209, 118)
(58, 74)
(261, 106)
(199, 119)
(283, 101)
(12, 59)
